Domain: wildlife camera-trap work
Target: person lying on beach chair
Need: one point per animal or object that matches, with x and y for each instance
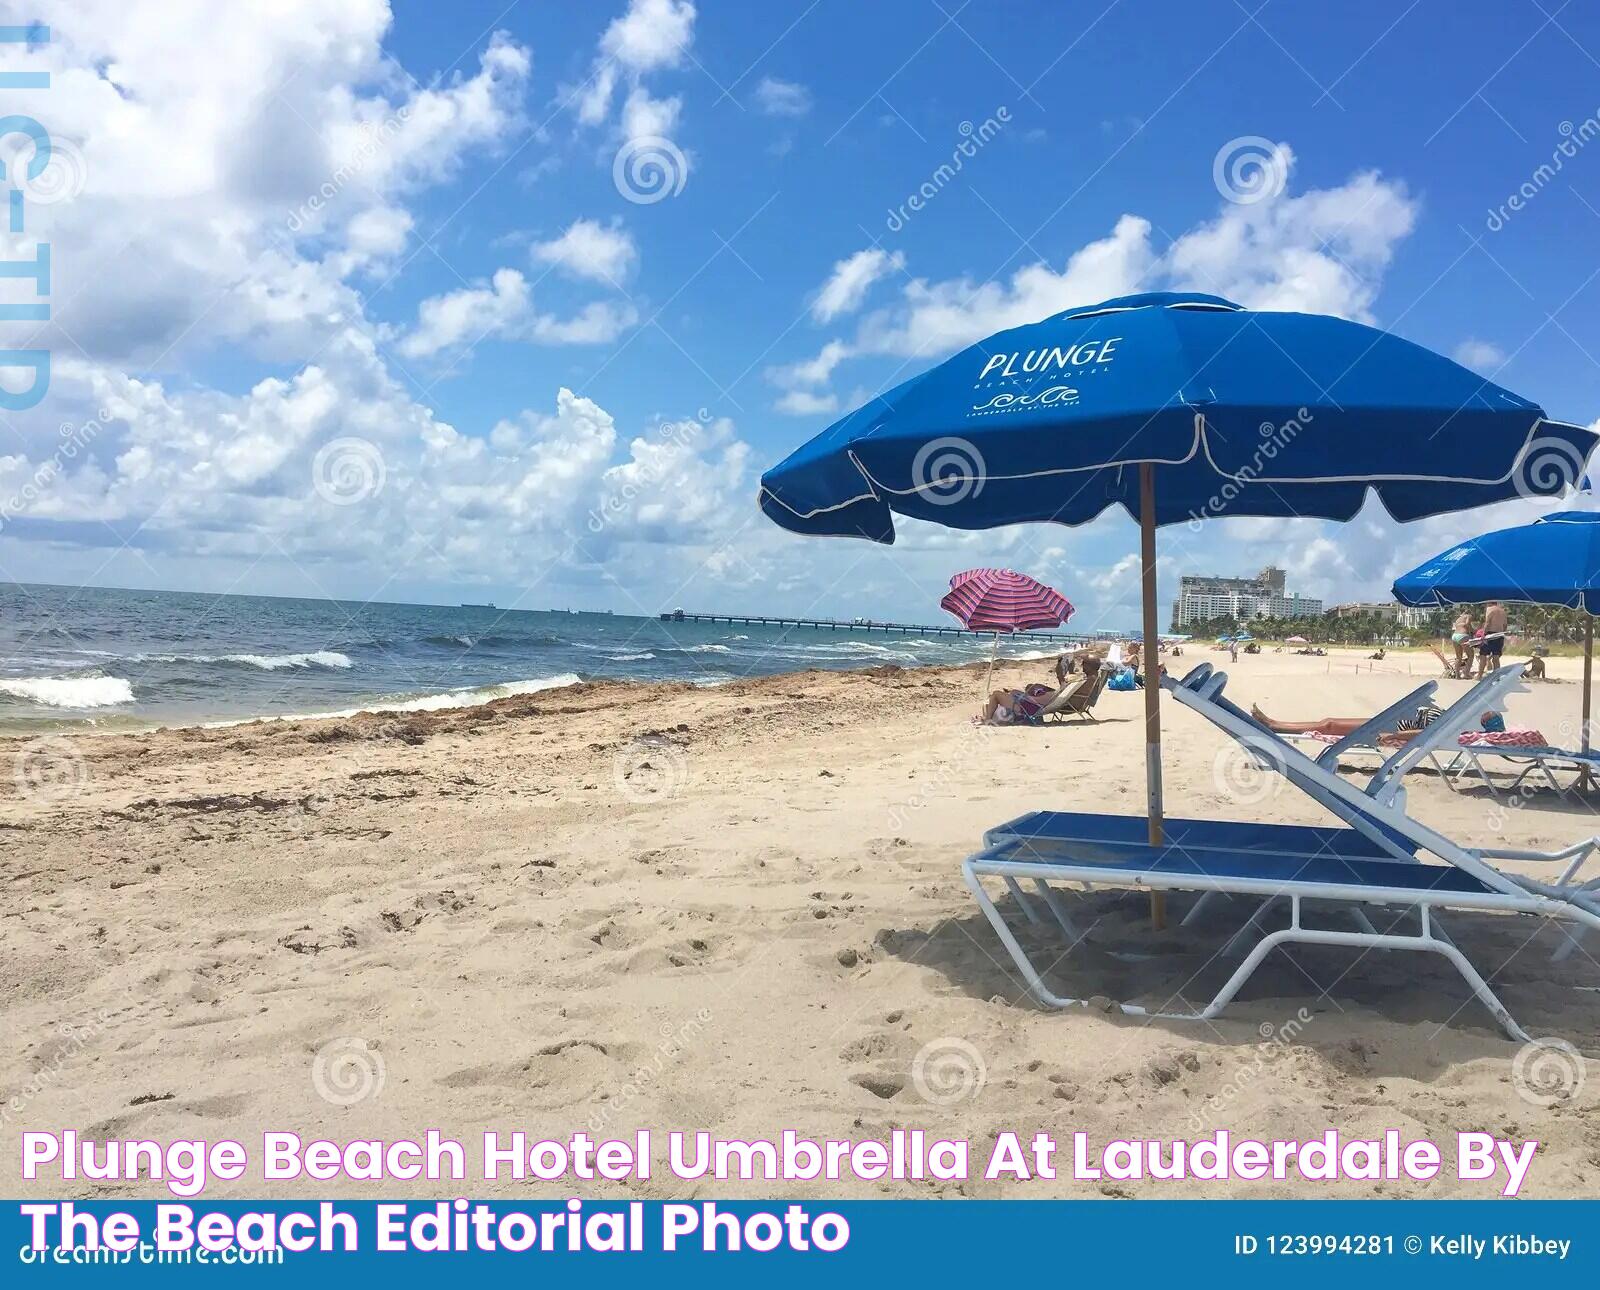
(1340, 726)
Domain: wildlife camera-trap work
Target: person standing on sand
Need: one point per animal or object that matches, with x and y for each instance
(1494, 636)
(1460, 636)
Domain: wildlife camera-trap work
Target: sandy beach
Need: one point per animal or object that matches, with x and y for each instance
(625, 906)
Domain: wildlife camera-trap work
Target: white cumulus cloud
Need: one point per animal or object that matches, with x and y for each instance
(782, 98)
(589, 249)
(851, 279)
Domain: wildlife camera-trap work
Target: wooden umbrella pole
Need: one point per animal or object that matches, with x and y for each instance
(1588, 672)
(1152, 674)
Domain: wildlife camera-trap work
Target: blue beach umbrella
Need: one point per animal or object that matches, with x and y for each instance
(1553, 561)
(1175, 408)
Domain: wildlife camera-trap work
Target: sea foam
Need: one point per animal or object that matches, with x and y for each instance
(69, 691)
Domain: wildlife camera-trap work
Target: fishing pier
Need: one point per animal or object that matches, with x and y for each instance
(857, 625)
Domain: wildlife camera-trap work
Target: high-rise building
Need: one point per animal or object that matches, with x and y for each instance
(1204, 596)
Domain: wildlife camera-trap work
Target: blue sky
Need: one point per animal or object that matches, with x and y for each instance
(439, 301)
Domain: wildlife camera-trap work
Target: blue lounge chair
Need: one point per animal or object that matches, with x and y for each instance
(1376, 859)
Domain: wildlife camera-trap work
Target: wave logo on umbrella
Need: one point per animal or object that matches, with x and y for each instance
(1011, 402)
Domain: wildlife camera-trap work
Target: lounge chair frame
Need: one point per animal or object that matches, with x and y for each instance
(1079, 701)
(1453, 672)
(1378, 851)
(1541, 762)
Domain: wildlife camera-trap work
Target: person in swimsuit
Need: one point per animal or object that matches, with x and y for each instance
(1338, 727)
(1018, 707)
(1493, 644)
(1460, 634)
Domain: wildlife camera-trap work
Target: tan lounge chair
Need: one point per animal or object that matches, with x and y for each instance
(1078, 701)
(1449, 666)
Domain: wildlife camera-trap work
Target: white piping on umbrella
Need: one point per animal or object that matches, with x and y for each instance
(1201, 444)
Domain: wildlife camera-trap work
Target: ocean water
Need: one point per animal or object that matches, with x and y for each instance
(98, 659)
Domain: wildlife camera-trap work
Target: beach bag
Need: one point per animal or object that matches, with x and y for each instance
(1122, 679)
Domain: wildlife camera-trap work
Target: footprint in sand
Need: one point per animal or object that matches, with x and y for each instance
(561, 1074)
(883, 1060)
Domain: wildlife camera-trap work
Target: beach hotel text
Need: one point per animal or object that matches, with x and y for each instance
(187, 1167)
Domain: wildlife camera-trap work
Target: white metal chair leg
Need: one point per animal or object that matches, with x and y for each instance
(1570, 937)
(1019, 956)
(1023, 902)
(1447, 771)
(1427, 941)
(1250, 924)
(1056, 908)
(1206, 897)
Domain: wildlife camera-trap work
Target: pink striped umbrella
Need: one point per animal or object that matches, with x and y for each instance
(998, 600)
